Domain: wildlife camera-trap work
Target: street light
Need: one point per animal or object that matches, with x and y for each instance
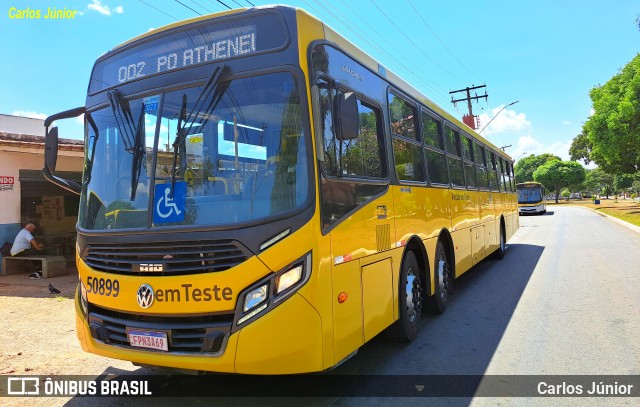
(485, 126)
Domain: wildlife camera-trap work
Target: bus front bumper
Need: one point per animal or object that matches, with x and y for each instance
(286, 340)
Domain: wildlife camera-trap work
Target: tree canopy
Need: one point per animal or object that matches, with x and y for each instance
(580, 148)
(556, 174)
(613, 131)
(599, 182)
(525, 167)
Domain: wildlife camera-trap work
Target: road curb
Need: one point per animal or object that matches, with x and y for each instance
(613, 218)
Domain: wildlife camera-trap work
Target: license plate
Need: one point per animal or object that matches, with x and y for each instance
(148, 339)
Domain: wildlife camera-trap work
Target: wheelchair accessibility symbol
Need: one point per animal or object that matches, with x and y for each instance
(167, 209)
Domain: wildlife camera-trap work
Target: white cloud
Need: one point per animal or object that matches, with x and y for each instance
(503, 121)
(33, 115)
(566, 123)
(103, 9)
(527, 145)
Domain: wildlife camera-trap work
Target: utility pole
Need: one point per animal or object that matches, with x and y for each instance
(470, 119)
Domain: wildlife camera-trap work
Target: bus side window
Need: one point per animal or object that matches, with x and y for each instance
(454, 156)
(434, 150)
(481, 167)
(361, 157)
(407, 149)
(469, 168)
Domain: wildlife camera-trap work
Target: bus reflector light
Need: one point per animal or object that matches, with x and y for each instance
(255, 297)
(342, 297)
(288, 278)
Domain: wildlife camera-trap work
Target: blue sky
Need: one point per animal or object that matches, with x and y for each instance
(546, 55)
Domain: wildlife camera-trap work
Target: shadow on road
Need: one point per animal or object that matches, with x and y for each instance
(460, 342)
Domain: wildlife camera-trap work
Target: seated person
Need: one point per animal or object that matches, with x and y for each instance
(23, 242)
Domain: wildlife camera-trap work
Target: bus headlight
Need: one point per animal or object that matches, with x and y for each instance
(288, 278)
(255, 297)
(272, 290)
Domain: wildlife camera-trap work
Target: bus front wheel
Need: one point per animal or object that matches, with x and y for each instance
(443, 280)
(410, 300)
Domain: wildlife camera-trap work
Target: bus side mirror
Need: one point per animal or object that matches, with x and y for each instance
(51, 149)
(346, 113)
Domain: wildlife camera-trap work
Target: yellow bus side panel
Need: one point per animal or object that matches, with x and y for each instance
(285, 340)
(478, 251)
(491, 235)
(377, 297)
(420, 211)
(347, 316)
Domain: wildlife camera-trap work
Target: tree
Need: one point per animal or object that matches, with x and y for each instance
(525, 167)
(614, 128)
(559, 174)
(621, 183)
(599, 182)
(580, 148)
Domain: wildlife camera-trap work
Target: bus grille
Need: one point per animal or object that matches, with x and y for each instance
(164, 258)
(193, 335)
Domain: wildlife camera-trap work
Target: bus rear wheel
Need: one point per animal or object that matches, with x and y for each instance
(443, 280)
(410, 301)
(502, 248)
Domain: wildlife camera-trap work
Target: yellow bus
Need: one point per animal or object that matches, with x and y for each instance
(260, 196)
(531, 198)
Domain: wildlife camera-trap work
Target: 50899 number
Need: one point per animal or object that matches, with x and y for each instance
(103, 286)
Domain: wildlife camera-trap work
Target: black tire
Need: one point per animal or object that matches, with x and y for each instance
(502, 248)
(410, 301)
(443, 280)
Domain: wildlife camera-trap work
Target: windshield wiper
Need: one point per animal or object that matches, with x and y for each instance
(89, 168)
(138, 153)
(132, 136)
(213, 87)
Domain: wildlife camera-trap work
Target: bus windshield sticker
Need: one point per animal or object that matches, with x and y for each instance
(151, 103)
(168, 209)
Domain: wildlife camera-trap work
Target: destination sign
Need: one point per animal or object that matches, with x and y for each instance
(182, 53)
(171, 51)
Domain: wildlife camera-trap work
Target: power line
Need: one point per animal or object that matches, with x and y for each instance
(413, 43)
(226, 5)
(438, 38)
(241, 4)
(367, 40)
(201, 6)
(178, 1)
(392, 46)
(157, 9)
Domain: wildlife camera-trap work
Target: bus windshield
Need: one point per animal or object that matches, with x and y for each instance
(226, 152)
(529, 195)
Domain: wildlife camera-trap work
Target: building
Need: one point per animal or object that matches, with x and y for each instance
(25, 196)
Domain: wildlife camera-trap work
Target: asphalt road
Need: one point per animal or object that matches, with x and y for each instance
(564, 301)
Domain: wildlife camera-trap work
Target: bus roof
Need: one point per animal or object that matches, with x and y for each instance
(333, 36)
